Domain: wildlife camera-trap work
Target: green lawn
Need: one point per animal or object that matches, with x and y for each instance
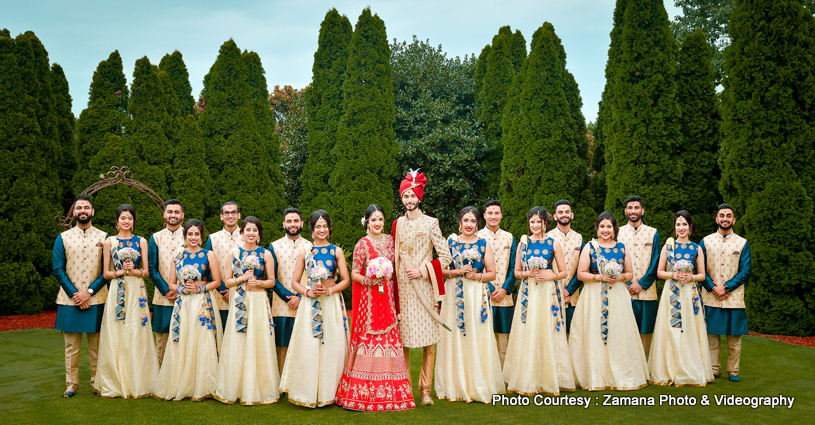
(31, 382)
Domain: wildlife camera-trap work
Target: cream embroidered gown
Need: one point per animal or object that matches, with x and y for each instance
(679, 352)
(538, 355)
(128, 364)
(248, 371)
(467, 365)
(319, 343)
(605, 343)
(191, 358)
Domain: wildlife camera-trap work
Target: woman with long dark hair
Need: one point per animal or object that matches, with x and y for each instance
(376, 378)
(128, 364)
(538, 355)
(605, 344)
(319, 342)
(191, 360)
(467, 366)
(247, 372)
(680, 354)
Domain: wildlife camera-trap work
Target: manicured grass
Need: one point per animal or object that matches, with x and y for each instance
(32, 380)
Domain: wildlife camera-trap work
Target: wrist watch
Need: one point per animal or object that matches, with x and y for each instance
(90, 291)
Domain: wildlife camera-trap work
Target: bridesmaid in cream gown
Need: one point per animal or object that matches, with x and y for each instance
(191, 358)
(128, 364)
(679, 352)
(605, 344)
(467, 366)
(538, 355)
(319, 343)
(248, 370)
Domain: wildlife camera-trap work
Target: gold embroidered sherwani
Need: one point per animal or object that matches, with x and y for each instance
(418, 238)
(640, 245)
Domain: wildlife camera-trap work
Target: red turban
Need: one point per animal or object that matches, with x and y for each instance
(414, 180)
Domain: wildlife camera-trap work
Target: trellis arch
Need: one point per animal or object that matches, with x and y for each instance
(116, 175)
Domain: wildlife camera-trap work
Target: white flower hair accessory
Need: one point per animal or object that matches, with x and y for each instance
(363, 221)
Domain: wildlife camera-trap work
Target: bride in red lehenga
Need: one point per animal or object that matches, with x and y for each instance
(375, 377)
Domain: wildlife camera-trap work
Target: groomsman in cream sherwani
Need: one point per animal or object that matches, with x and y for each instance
(642, 243)
(221, 243)
(77, 265)
(503, 248)
(416, 236)
(161, 252)
(285, 300)
(572, 244)
(728, 267)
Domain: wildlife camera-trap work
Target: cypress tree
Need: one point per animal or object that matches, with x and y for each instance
(480, 71)
(366, 150)
(29, 183)
(173, 64)
(324, 103)
(541, 164)
(496, 82)
(66, 122)
(766, 157)
(192, 183)
(696, 94)
(102, 121)
(241, 163)
(602, 126)
(644, 131)
(289, 106)
(517, 47)
(150, 151)
(269, 142)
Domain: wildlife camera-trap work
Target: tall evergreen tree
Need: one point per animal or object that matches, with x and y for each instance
(102, 122)
(324, 103)
(365, 153)
(644, 131)
(173, 64)
(599, 185)
(494, 87)
(480, 71)
(269, 171)
(517, 47)
(29, 183)
(696, 94)
(192, 183)
(66, 122)
(766, 157)
(541, 164)
(148, 148)
(240, 160)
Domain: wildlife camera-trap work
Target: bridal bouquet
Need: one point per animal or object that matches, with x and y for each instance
(471, 255)
(188, 272)
(380, 267)
(612, 270)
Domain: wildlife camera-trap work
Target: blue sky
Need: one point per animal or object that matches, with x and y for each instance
(78, 34)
